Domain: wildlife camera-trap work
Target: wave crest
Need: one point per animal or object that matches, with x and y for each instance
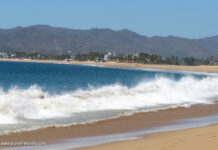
(17, 105)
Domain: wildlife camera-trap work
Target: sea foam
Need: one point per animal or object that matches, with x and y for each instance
(33, 103)
(23, 105)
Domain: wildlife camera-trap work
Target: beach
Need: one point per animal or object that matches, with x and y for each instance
(189, 139)
(136, 122)
(183, 139)
(201, 68)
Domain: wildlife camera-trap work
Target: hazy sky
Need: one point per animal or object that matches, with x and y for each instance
(186, 18)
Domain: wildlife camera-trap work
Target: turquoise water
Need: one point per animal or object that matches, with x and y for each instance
(37, 95)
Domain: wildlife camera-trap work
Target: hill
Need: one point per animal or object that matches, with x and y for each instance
(48, 40)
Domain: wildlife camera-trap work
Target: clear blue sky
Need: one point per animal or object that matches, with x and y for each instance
(186, 18)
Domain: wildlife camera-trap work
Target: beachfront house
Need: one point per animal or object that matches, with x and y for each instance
(107, 56)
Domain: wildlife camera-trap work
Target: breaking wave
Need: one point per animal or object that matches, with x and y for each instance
(23, 105)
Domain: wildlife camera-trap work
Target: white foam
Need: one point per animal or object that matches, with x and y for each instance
(18, 105)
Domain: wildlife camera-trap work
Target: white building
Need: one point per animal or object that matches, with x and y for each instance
(3, 55)
(106, 56)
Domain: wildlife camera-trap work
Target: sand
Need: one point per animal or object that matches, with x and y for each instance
(124, 124)
(202, 68)
(205, 138)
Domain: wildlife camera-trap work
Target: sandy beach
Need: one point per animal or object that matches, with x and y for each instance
(190, 139)
(202, 68)
(184, 139)
(138, 121)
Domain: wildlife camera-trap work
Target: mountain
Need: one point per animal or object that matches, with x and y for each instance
(49, 40)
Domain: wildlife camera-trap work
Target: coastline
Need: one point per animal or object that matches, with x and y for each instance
(188, 139)
(202, 68)
(135, 122)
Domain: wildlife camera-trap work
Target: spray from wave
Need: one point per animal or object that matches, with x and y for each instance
(20, 106)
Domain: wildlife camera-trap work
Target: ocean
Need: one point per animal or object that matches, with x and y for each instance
(38, 95)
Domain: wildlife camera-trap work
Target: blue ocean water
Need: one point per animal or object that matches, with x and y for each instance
(58, 78)
(37, 95)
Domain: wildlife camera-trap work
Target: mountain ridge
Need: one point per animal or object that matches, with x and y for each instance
(49, 40)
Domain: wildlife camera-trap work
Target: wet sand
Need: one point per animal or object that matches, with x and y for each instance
(138, 121)
(204, 138)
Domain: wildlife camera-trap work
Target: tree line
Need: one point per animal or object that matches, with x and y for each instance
(143, 58)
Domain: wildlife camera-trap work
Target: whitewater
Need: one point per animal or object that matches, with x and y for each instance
(34, 107)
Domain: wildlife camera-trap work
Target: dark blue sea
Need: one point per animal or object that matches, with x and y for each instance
(62, 78)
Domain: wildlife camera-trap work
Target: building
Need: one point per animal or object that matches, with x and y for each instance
(3, 55)
(107, 56)
(135, 55)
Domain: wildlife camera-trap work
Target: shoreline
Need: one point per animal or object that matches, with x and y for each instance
(135, 122)
(201, 68)
(199, 138)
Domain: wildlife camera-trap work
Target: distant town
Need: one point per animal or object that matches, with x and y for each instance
(142, 58)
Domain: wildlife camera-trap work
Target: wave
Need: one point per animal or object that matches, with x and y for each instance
(17, 105)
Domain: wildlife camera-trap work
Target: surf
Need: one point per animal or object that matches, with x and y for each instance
(23, 105)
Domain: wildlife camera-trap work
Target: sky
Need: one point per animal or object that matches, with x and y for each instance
(184, 18)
